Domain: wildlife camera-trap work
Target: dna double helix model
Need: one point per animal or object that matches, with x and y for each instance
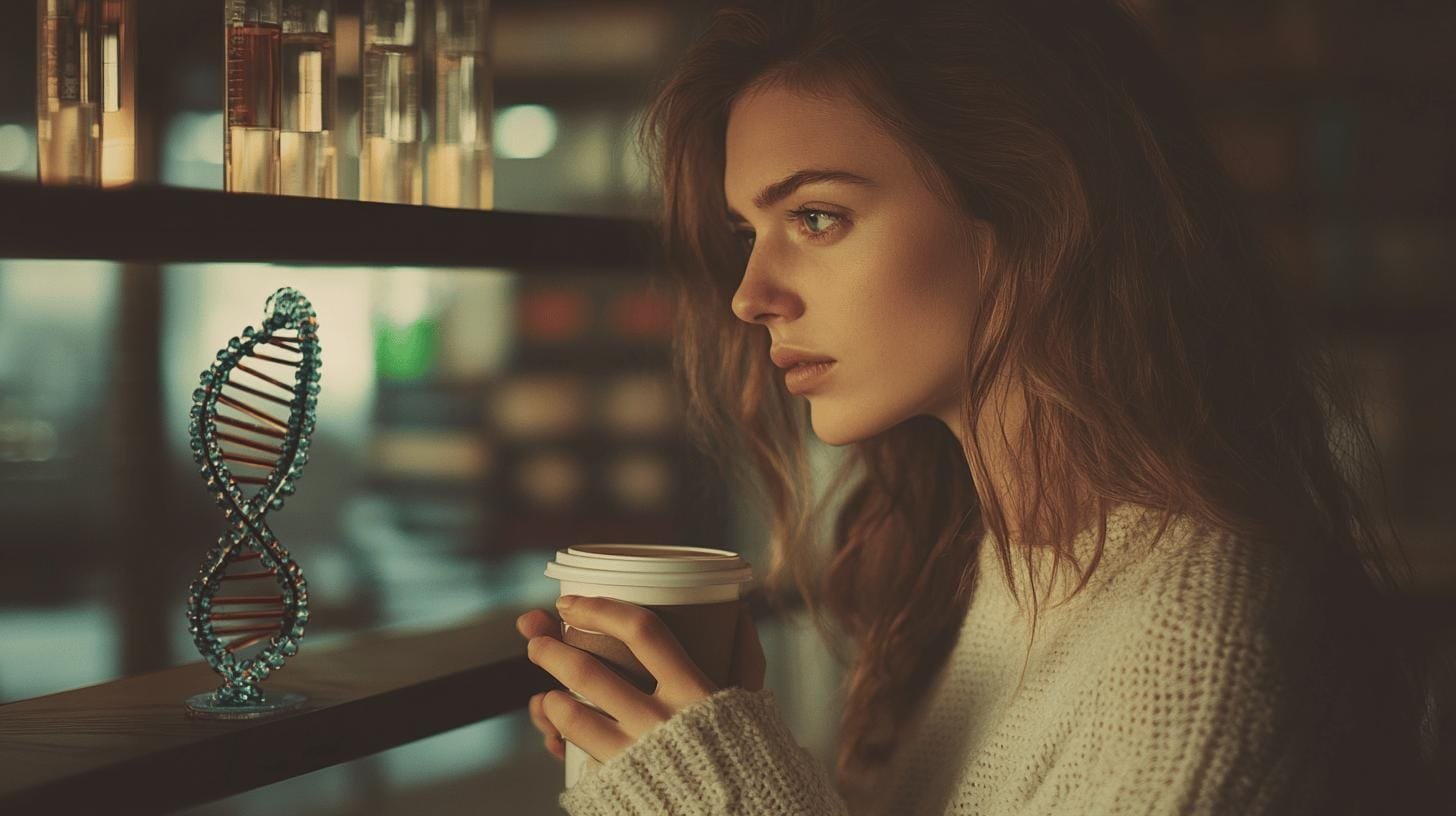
(248, 607)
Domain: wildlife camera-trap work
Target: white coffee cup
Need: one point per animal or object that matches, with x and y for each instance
(700, 581)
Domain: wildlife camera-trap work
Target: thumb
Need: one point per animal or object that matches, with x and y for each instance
(749, 663)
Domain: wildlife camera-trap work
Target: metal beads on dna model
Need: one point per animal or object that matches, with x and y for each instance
(249, 595)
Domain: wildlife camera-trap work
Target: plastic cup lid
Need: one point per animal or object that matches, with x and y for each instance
(649, 558)
(619, 577)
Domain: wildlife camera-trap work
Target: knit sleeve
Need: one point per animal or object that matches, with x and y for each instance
(730, 753)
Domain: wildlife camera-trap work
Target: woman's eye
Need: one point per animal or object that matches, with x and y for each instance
(817, 222)
(815, 225)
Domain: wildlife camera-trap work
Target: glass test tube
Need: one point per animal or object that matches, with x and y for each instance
(308, 152)
(459, 163)
(250, 152)
(118, 92)
(389, 147)
(68, 93)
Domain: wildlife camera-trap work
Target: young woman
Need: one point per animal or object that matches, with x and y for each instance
(1098, 554)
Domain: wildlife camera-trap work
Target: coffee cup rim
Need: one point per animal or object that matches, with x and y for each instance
(680, 553)
(588, 575)
(705, 560)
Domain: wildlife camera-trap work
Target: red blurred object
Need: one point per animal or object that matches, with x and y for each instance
(552, 314)
(640, 315)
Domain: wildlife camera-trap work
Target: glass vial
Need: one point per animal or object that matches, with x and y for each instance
(68, 93)
(118, 92)
(459, 163)
(389, 146)
(250, 151)
(308, 152)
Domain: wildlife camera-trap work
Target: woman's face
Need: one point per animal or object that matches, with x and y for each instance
(870, 269)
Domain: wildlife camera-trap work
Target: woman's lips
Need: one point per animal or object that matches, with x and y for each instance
(807, 376)
(789, 356)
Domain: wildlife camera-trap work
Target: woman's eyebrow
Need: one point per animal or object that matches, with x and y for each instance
(779, 190)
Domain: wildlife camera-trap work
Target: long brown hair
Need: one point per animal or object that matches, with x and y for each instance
(1158, 345)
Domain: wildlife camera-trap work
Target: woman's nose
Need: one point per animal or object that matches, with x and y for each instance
(761, 297)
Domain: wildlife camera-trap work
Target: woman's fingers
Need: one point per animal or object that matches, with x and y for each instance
(679, 680)
(532, 624)
(536, 623)
(550, 735)
(584, 674)
(538, 717)
(584, 727)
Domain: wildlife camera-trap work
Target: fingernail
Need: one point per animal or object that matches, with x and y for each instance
(565, 601)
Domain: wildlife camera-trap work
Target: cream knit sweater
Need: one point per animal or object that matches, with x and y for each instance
(1180, 681)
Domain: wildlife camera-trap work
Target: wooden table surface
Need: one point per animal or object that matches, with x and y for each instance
(129, 746)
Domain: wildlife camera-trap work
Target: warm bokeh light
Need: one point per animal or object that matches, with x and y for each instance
(525, 132)
(17, 150)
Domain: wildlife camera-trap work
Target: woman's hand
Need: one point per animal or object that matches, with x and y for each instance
(680, 683)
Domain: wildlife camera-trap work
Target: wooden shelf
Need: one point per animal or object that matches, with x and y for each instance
(160, 224)
(129, 742)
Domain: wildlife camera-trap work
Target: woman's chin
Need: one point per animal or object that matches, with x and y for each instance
(835, 429)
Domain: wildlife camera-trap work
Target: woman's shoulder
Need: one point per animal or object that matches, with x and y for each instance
(1195, 566)
(1213, 668)
(1171, 580)
(1205, 591)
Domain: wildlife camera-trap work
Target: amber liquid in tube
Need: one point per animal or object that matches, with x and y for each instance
(118, 92)
(252, 112)
(68, 121)
(460, 153)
